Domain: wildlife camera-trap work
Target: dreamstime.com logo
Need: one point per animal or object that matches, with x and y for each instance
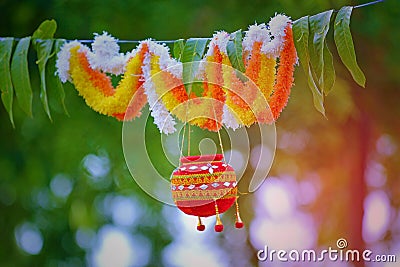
(331, 254)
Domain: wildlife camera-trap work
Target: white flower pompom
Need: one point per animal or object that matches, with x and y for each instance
(277, 26)
(167, 63)
(228, 119)
(162, 118)
(105, 45)
(106, 56)
(63, 56)
(256, 33)
(219, 39)
(273, 47)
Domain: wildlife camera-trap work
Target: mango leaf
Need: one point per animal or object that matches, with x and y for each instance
(329, 71)
(194, 49)
(318, 97)
(345, 46)
(191, 56)
(6, 87)
(43, 50)
(235, 51)
(20, 75)
(178, 48)
(53, 82)
(319, 27)
(43, 44)
(301, 38)
(46, 30)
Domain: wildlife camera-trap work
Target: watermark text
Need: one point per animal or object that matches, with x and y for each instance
(331, 254)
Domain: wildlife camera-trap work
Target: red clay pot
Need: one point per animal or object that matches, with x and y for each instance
(201, 182)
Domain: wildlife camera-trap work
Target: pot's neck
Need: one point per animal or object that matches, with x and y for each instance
(201, 158)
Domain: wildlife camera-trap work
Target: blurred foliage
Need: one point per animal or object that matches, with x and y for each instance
(37, 150)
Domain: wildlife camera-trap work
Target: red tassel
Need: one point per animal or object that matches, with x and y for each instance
(200, 226)
(219, 227)
(238, 223)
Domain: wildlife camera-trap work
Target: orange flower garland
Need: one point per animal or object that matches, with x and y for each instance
(213, 98)
(151, 75)
(98, 92)
(284, 79)
(167, 86)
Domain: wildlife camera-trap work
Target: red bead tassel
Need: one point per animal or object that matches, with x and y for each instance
(200, 226)
(238, 223)
(219, 227)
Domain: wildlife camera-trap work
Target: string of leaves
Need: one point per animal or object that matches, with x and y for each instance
(315, 57)
(14, 71)
(309, 35)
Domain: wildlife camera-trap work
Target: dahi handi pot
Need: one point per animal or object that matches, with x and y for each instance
(204, 186)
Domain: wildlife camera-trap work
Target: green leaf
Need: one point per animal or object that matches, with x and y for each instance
(329, 71)
(235, 51)
(319, 27)
(318, 97)
(46, 30)
(43, 44)
(6, 87)
(20, 75)
(191, 56)
(53, 82)
(194, 49)
(178, 48)
(301, 38)
(43, 50)
(345, 46)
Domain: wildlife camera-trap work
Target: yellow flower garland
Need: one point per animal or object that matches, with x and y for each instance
(101, 96)
(225, 96)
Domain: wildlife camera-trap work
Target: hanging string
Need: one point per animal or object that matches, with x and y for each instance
(182, 143)
(243, 193)
(173, 41)
(189, 140)
(220, 143)
(369, 4)
(135, 41)
(184, 127)
(218, 132)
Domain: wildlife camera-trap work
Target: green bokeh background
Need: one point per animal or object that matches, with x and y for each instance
(339, 149)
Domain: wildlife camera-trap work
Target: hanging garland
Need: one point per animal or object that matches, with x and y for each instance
(309, 35)
(150, 73)
(95, 86)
